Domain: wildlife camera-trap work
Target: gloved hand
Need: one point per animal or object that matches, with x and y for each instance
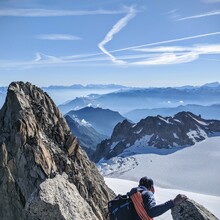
(179, 198)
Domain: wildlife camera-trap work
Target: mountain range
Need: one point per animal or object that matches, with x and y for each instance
(208, 112)
(89, 86)
(102, 120)
(130, 99)
(155, 133)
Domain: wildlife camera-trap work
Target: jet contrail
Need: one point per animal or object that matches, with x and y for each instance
(200, 15)
(167, 41)
(115, 29)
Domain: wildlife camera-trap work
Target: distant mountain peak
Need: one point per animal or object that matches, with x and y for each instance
(184, 129)
(212, 84)
(102, 120)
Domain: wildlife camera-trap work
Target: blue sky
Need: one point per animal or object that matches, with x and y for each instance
(135, 43)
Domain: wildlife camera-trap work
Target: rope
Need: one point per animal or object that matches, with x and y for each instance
(139, 206)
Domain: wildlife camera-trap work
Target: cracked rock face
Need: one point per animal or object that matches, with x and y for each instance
(191, 210)
(36, 145)
(57, 198)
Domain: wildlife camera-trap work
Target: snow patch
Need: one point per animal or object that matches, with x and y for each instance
(85, 123)
(165, 120)
(178, 121)
(138, 132)
(143, 141)
(114, 144)
(200, 122)
(199, 133)
(175, 136)
(117, 166)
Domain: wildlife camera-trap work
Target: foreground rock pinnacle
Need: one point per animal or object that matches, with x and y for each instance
(40, 159)
(190, 210)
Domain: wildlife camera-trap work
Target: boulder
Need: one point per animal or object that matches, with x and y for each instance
(190, 210)
(57, 198)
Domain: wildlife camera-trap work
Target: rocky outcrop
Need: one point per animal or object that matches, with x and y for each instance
(57, 198)
(184, 129)
(191, 210)
(36, 145)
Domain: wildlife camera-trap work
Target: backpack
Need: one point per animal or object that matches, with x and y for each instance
(124, 207)
(121, 208)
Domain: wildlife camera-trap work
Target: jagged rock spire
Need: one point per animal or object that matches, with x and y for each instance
(36, 144)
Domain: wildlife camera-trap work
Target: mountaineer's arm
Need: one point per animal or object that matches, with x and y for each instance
(152, 209)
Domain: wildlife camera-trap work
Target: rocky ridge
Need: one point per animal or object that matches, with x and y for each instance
(191, 210)
(184, 129)
(36, 147)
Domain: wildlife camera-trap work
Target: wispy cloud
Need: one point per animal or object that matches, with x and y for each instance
(212, 13)
(173, 13)
(57, 37)
(163, 49)
(168, 59)
(115, 29)
(176, 55)
(39, 12)
(168, 41)
(202, 49)
(139, 56)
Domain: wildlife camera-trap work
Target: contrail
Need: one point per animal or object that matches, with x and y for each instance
(200, 15)
(167, 41)
(115, 29)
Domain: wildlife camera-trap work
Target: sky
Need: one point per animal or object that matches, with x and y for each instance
(130, 42)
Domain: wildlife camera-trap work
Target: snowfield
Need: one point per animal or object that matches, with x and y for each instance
(193, 171)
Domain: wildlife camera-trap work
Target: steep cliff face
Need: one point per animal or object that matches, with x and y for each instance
(191, 210)
(35, 145)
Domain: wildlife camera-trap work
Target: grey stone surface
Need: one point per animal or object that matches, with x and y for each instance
(57, 198)
(190, 210)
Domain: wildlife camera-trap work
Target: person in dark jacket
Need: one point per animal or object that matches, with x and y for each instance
(146, 188)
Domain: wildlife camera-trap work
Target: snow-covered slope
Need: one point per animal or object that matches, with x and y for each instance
(182, 130)
(194, 169)
(120, 186)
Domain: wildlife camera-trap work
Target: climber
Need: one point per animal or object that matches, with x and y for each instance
(148, 209)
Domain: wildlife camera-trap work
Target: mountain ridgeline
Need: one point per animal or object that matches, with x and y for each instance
(44, 174)
(184, 129)
(86, 135)
(147, 98)
(102, 120)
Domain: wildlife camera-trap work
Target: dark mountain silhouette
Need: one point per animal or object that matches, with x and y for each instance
(208, 112)
(102, 120)
(86, 135)
(184, 129)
